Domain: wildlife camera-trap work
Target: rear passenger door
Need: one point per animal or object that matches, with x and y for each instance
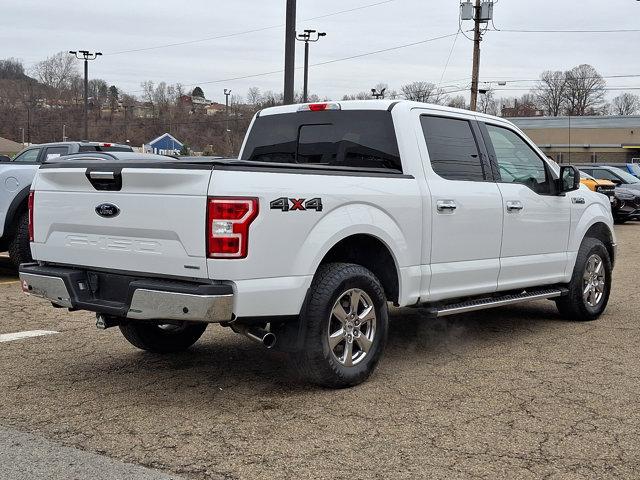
(54, 152)
(466, 225)
(536, 220)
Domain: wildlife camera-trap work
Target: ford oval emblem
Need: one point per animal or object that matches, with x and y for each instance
(107, 210)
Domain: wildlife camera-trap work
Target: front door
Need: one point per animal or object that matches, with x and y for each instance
(466, 225)
(536, 222)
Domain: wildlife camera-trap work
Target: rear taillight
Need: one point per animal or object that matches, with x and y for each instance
(30, 204)
(228, 220)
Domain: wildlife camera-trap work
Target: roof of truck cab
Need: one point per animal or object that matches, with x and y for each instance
(380, 105)
(78, 142)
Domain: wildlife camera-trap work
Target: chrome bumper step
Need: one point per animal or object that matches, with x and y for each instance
(491, 302)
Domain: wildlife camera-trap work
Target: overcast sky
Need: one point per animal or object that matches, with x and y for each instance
(34, 29)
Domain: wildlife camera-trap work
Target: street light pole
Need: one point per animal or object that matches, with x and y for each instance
(86, 56)
(226, 106)
(306, 37)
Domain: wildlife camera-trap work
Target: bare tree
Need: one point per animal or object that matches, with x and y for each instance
(487, 103)
(357, 96)
(626, 104)
(550, 92)
(56, 71)
(253, 96)
(585, 93)
(457, 102)
(423, 92)
(12, 69)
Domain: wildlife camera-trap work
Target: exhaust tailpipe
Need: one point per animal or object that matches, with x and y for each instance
(257, 334)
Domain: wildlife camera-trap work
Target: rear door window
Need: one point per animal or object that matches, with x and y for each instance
(55, 152)
(352, 138)
(452, 147)
(29, 156)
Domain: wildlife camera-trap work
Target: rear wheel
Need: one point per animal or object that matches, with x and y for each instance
(590, 284)
(346, 323)
(162, 338)
(19, 248)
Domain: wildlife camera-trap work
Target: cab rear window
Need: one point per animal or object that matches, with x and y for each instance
(356, 139)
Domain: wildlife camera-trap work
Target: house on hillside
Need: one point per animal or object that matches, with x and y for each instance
(214, 108)
(165, 144)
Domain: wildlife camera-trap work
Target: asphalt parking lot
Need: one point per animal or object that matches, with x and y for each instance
(509, 393)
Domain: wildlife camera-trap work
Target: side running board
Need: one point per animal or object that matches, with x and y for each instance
(483, 303)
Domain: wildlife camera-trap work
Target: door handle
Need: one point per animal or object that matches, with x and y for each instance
(446, 206)
(514, 206)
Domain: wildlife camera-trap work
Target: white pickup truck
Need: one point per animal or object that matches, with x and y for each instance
(331, 212)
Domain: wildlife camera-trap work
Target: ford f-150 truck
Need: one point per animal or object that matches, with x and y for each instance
(331, 212)
(15, 182)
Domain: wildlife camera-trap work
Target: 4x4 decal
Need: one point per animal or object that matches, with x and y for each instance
(290, 204)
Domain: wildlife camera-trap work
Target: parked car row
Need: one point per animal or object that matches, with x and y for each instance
(625, 203)
(16, 176)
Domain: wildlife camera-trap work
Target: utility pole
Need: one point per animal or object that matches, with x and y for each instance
(378, 94)
(64, 133)
(86, 56)
(289, 51)
(307, 36)
(226, 106)
(22, 129)
(477, 38)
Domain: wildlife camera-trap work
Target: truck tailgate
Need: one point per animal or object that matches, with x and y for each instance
(134, 219)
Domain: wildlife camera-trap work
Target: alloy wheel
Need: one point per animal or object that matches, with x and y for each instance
(352, 327)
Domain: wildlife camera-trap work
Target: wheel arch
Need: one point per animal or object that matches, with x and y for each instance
(335, 235)
(372, 253)
(18, 205)
(602, 232)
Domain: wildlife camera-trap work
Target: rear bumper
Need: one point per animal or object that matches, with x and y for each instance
(129, 296)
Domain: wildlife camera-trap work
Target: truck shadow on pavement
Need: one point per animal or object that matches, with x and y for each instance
(224, 364)
(7, 270)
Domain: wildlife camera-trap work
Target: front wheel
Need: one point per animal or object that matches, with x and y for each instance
(590, 284)
(346, 325)
(162, 338)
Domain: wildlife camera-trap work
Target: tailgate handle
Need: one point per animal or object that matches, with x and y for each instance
(105, 180)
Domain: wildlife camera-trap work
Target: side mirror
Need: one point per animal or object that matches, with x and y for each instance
(617, 181)
(569, 179)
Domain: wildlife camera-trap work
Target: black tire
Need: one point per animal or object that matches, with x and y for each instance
(152, 337)
(19, 248)
(574, 306)
(316, 361)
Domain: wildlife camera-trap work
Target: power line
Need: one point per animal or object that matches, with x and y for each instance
(327, 62)
(615, 30)
(245, 32)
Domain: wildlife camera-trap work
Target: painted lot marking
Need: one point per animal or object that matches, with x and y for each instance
(8, 337)
(7, 282)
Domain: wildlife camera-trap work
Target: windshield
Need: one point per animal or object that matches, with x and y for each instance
(626, 176)
(635, 169)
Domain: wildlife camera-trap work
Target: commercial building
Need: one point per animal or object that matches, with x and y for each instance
(585, 139)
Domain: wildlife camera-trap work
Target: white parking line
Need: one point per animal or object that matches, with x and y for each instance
(8, 337)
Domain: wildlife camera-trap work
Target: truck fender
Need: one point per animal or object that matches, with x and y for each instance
(593, 214)
(339, 224)
(16, 204)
